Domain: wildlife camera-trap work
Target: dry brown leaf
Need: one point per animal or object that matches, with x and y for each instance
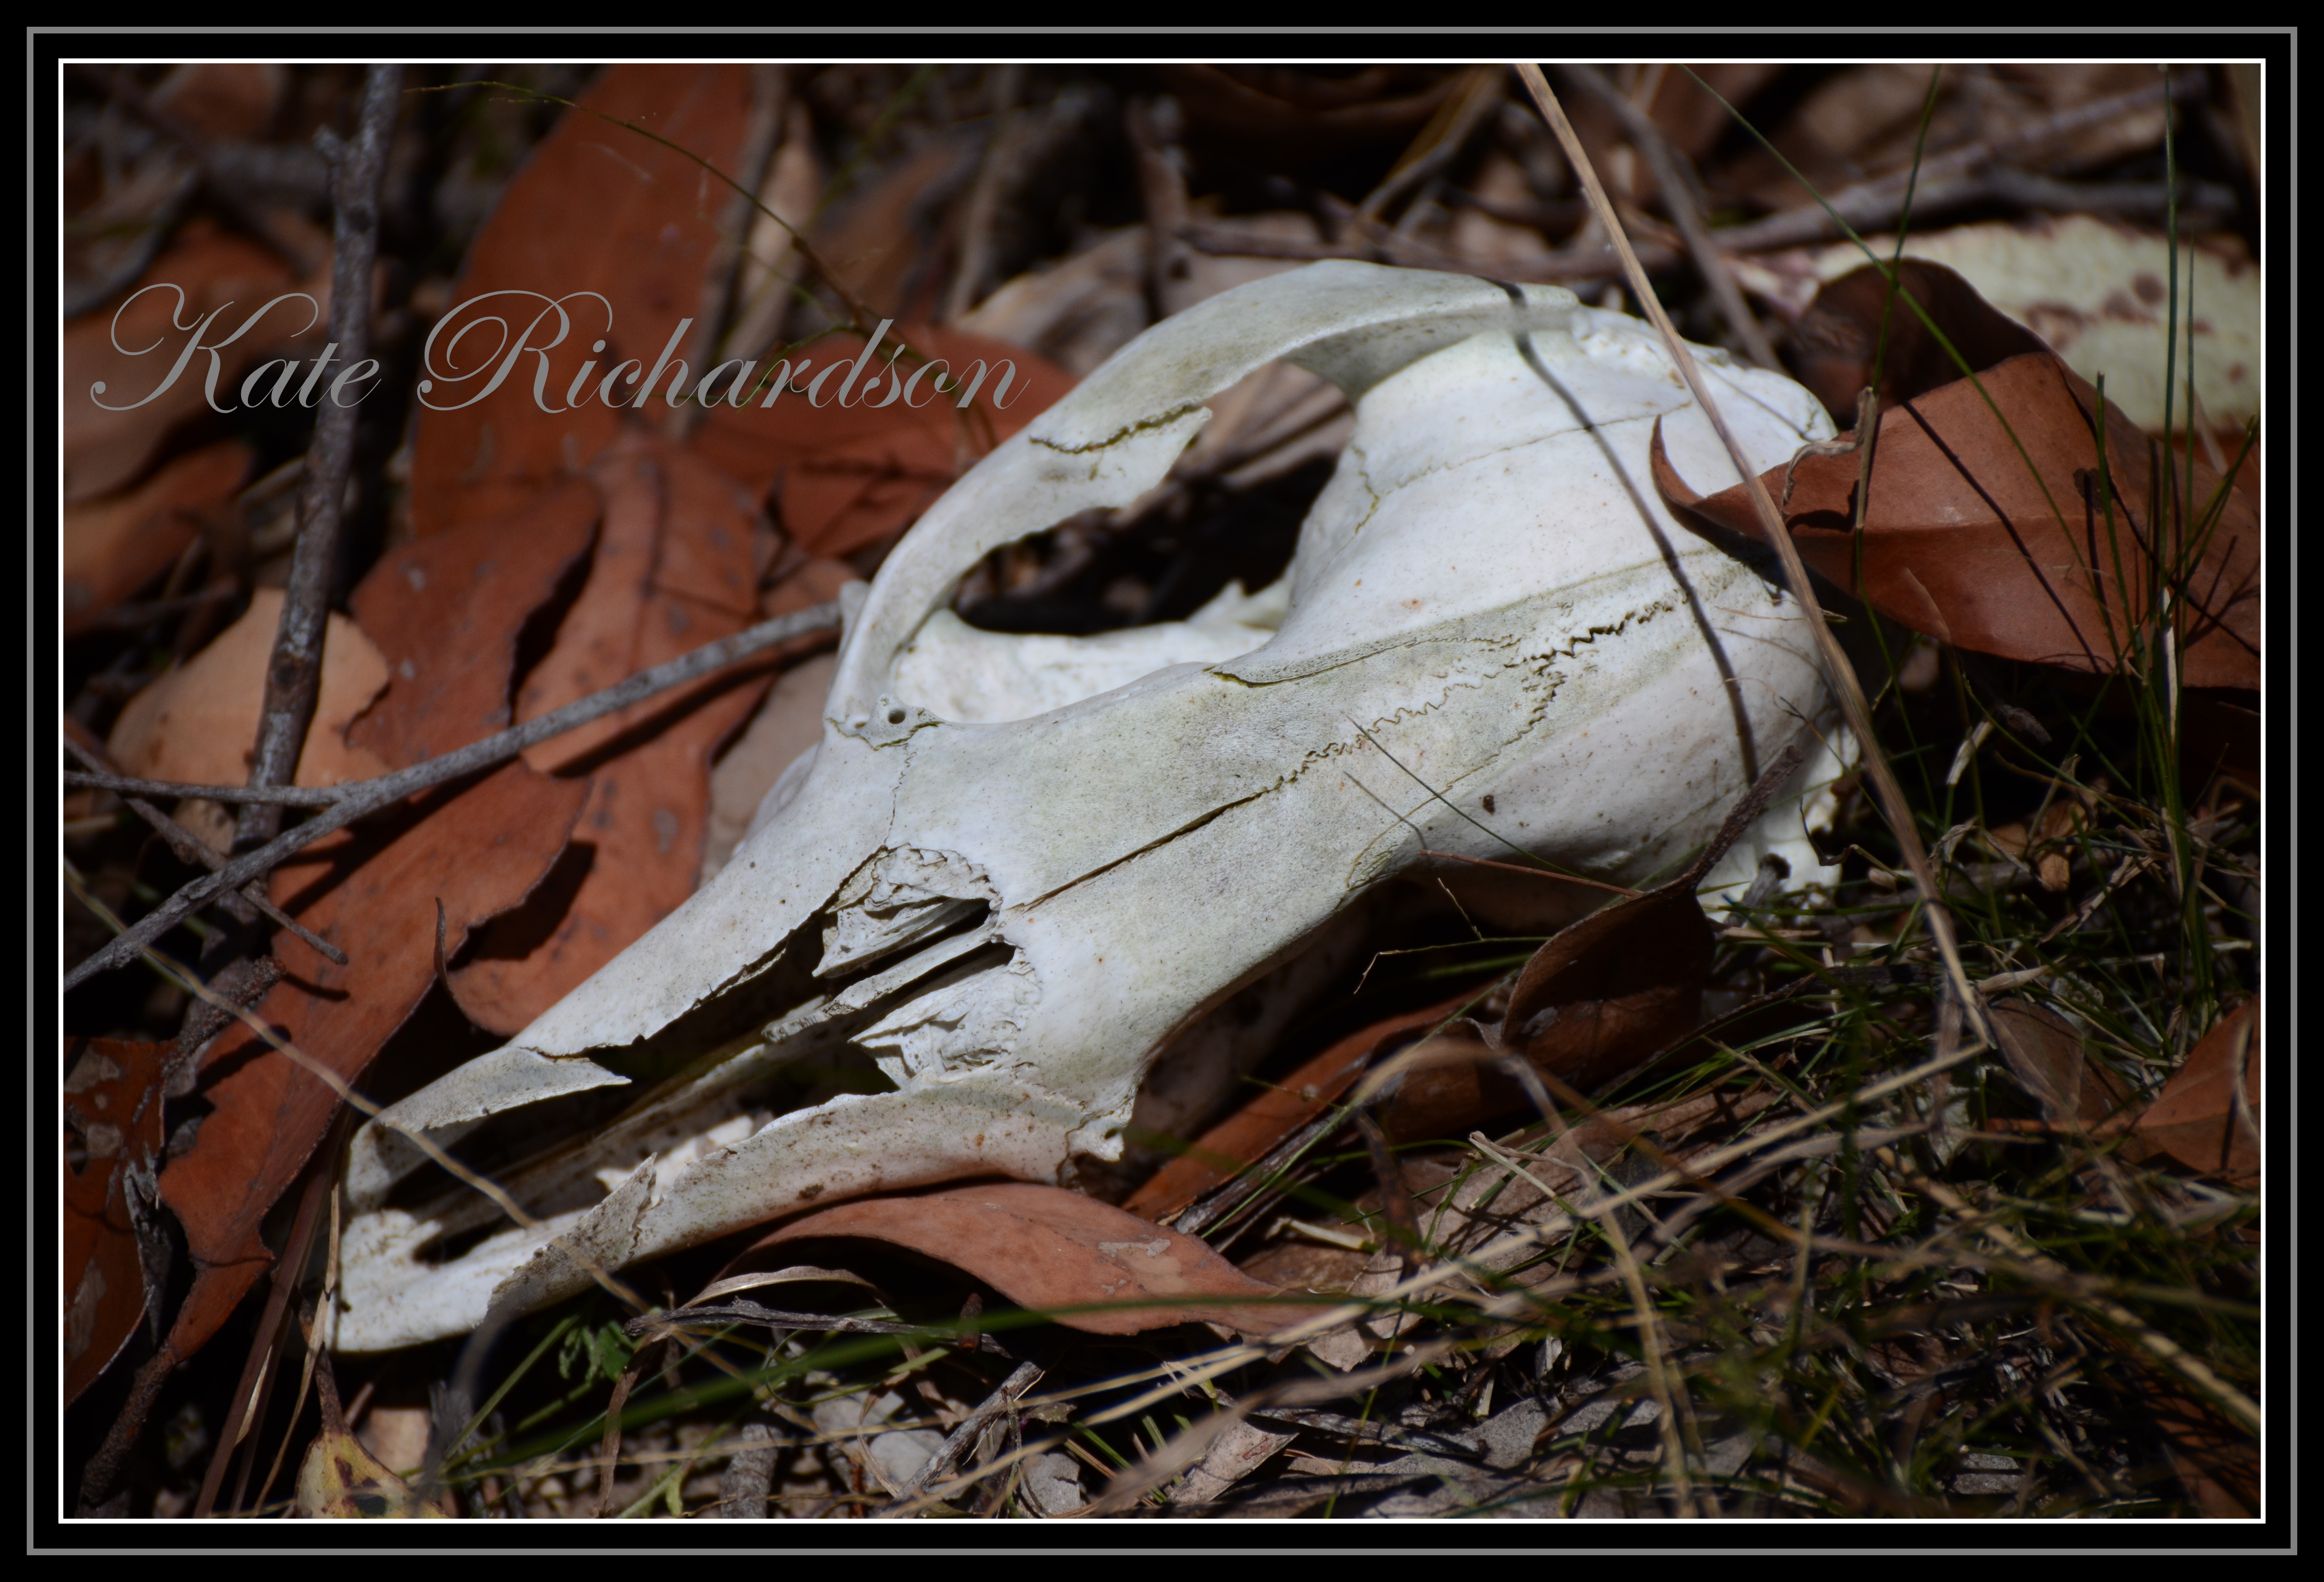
(1838, 339)
(1962, 543)
(2217, 1460)
(106, 450)
(480, 846)
(199, 724)
(477, 846)
(1614, 987)
(674, 569)
(2047, 1054)
(449, 612)
(1078, 313)
(1280, 1110)
(1452, 1084)
(114, 547)
(1839, 331)
(112, 1105)
(679, 550)
(2094, 291)
(2197, 1117)
(1604, 994)
(446, 613)
(597, 209)
(852, 476)
(1048, 1249)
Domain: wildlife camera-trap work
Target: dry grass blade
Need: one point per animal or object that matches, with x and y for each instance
(1837, 669)
(1682, 193)
(2165, 1349)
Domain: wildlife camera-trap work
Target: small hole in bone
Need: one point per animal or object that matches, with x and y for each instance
(895, 716)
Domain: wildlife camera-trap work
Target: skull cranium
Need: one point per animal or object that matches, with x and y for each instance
(1017, 872)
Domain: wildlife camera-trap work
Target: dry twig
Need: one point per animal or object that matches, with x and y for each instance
(186, 849)
(957, 1443)
(1949, 179)
(294, 672)
(1682, 193)
(343, 804)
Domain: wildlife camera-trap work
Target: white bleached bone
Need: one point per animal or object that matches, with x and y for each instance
(1016, 870)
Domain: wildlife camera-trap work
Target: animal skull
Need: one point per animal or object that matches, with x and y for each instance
(1024, 872)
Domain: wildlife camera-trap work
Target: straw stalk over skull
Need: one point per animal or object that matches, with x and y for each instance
(1008, 902)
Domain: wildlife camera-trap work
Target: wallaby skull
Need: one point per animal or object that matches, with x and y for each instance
(1018, 872)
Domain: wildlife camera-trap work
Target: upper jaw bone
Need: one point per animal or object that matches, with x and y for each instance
(1014, 917)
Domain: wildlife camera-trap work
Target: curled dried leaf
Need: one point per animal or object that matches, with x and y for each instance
(1279, 1112)
(1608, 991)
(2207, 1116)
(2053, 564)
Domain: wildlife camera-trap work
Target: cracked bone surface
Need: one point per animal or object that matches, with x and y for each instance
(1027, 877)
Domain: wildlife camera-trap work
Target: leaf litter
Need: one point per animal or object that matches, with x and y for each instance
(542, 559)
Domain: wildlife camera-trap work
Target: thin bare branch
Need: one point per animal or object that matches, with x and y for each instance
(958, 1443)
(224, 185)
(295, 670)
(343, 804)
(1950, 179)
(186, 848)
(1682, 193)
